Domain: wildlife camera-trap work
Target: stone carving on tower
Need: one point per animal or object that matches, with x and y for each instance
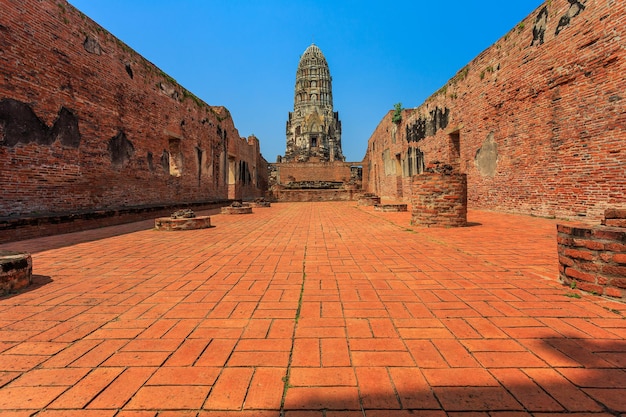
(313, 128)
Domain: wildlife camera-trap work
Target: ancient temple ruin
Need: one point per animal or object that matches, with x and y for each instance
(313, 128)
(314, 167)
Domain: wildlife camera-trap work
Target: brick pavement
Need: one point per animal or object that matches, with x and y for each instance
(309, 310)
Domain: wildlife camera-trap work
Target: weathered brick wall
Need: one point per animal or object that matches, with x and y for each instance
(283, 195)
(594, 258)
(88, 124)
(439, 200)
(537, 121)
(313, 171)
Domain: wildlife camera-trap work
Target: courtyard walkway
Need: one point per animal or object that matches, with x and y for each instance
(309, 310)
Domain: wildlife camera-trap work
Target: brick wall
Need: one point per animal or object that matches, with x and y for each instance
(593, 259)
(88, 124)
(537, 121)
(313, 171)
(282, 195)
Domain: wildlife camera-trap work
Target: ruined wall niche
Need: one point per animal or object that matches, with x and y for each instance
(486, 159)
(426, 126)
(539, 28)
(165, 161)
(120, 150)
(150, 159)
(199, 158)
(129, 70)
(574, 10)
(92, 46)
(455, 149)
(414, 162)
(20, 125)
(175, 157)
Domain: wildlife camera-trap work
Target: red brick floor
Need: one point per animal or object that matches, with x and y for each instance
(307, 310)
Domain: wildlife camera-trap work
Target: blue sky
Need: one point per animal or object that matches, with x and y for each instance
(243, 54)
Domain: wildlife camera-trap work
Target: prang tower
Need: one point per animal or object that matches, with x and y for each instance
(313, 128)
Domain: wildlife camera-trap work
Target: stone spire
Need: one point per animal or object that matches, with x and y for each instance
(313, 128)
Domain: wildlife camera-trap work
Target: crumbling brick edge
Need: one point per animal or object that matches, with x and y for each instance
(593, 258)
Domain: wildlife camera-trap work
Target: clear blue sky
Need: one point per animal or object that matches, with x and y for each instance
(243, 54)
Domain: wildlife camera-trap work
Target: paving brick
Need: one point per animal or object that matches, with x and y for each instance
(50, 377)
(78, 413)
(476, 399)
(266, 389)
(613, 398)
(559, 388)
(20, 398)
(306, 352)
(455, 353)
(99, 353)
(375, 388)
(319, 398)
(184, 375)
(405, 361)
(168, 397)
(459, 377)
(134, 358)
(229, 391)
(530, 395)
(21, 363)
(335, 352)
(509, 360)
(425, 354)
(329, 376)
(217, 353)
(115, 395)
(187, 353)
(86, 389)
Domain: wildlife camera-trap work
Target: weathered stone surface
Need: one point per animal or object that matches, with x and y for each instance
(183, 214)
(390, 207)
(16, 270)
(486, 159)
(259, 202)
(182, 223)
(236, 210)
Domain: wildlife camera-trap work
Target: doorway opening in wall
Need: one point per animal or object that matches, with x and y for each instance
(314, 142)
(176, 157)
(455, 149)
(420, 164)
(399, 190)
(200, 158)
(232, 175)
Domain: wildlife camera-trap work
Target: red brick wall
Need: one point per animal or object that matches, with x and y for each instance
(541, 123)
(105, 121)
(313, 171)
(283, 195)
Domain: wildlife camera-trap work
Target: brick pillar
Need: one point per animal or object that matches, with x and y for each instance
(593, 258)
(439, 199)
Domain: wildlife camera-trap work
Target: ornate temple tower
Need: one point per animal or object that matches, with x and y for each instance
(313, 129)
